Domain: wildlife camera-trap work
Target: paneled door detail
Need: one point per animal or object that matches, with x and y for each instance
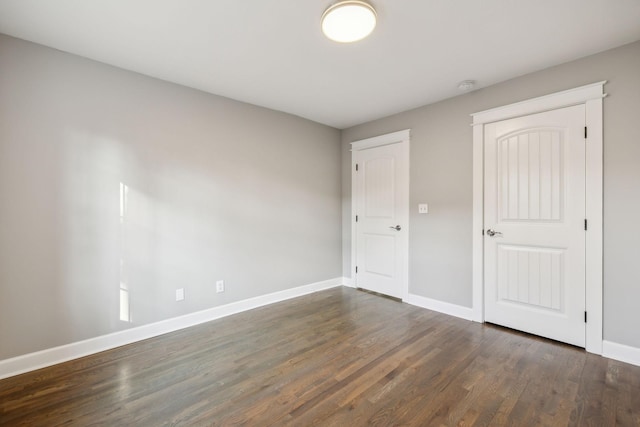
(382, 212)
(534, 224)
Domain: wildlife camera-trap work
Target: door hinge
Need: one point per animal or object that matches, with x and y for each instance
(483, 231)
(585, 132)
(356, 167)
(356, 218)
(585, 224)
(585, 317)
(356, 269)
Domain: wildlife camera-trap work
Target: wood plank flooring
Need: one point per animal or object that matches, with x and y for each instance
(337, 358)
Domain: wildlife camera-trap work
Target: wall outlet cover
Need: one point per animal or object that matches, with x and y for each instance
(220, 286)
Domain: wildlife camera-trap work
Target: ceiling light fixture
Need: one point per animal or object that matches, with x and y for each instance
(466, 85)
(348, 21)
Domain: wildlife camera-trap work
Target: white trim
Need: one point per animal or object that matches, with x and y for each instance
(440, 306)
(566, 98)
(621, 352)
(401, 136)
(348, 282)
(477, 258)
(591, 96)
(594, 214)
(379, 141)
(354, 208)
(52, 356)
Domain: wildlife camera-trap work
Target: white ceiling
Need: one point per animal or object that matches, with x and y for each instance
(272, 53)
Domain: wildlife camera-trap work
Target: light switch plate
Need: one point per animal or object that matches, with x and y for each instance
(423, 208)
(179, 294)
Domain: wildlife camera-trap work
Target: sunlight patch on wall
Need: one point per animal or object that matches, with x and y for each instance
(125, 304)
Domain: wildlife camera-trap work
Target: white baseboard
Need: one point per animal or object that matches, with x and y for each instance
(440, 306)
(621, 352)
(348, 282)
(52, 356)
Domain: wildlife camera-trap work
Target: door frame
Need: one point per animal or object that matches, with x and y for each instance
(591, 96)
(401, 137)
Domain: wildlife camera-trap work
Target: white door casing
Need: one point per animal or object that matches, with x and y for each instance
(534, 211)
(591, 97)
(380, 195)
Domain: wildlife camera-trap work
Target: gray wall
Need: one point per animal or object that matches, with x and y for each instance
(217, 190)
(441, 175)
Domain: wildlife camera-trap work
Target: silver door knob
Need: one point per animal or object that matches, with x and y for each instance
(397, 228)
(492, 233)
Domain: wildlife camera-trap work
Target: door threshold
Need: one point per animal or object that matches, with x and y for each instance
(378, 294)
(531, 335)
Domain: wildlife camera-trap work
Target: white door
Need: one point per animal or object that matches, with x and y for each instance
(534, 222)
(382, 212)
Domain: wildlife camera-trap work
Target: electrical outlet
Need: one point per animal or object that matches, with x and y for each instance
(220, 286)
(179, 294)
(423, 208)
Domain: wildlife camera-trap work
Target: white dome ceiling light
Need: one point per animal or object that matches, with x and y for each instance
(466, 85)
(348, 21)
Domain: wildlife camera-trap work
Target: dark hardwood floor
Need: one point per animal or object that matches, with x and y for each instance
(339, 357)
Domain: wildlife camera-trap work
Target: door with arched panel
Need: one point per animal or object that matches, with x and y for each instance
(534, 224)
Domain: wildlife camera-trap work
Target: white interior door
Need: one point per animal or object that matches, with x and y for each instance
(534, 224)
(382, 211)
